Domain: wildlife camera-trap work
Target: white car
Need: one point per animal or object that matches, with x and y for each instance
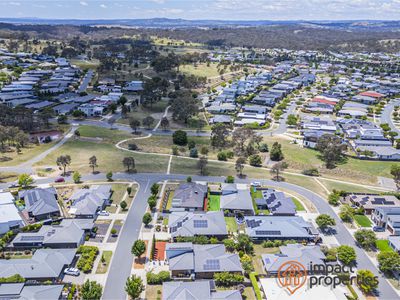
(256, 183)
(103, 213)
(72, 271)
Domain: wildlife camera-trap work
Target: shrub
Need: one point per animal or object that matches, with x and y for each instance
(133, 147)
(255, 160)
(227, 279)
(254, 282)
(159, 278)
(193, 153)
(263, 147)
(230, 179)
(175, 150)
(311, 172)
(222, 156)
(191, 144)
(179, 137)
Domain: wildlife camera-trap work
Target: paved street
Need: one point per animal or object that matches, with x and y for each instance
(386, 116)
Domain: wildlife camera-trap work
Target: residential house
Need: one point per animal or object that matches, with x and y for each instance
(394, 242)
(86, 203)
(189, 196)
(236, 198)
(277, 203)
(261, 228)
(190, 224)
(380, 215)
(201, 261)
(305, 255)
(40, 203)
(70, 233)
(196, 290)
(9, 214)
(45, 264)
(22, 291)
(370, 202)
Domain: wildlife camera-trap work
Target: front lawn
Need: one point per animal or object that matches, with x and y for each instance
(213, 202)
(383, 245)
(362, 220)
(298, 204)
(104, 262)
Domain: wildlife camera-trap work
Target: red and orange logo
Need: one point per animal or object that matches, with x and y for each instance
(292, 275)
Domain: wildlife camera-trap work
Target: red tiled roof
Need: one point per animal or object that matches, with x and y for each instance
(372, 94)
(323, 100)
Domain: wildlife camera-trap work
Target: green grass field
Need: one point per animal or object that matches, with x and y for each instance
(214, 202)
(298, 204)
(362, 220)
(383, 245)
(106, 134)
(231, 224)
(102, 267)
(202, 70)
(109, 158)
(14, 158)
(141, 112)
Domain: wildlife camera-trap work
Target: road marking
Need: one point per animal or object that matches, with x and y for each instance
(147, 185)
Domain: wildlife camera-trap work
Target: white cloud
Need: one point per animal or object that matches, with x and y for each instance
(158, 1)
(15, 3)
(83, 3)
(103, 6)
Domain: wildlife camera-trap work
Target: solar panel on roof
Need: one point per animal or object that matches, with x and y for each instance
(200, 224)
(268, 232)
(212, 264)
(31, 238)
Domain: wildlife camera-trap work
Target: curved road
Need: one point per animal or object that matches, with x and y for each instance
(386, 116)
(121, 263)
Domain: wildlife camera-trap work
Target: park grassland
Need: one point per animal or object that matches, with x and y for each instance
(27, 153)
(105, 134)
(109, 158)
(202, 70)
(139, 113)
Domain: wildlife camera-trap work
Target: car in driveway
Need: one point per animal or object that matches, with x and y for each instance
(256, 184)
(378, 229)
(72, 271)
(103, 213)
(60, 179)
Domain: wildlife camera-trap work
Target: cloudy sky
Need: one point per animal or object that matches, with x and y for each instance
(204, 9)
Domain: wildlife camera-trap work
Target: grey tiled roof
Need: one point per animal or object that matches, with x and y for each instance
(33, 292)
(197, 290)
(235, 198)
(45, 263)
(197, 223)
(297, 252)
(40, 201)
(88, 201)
(189, 195)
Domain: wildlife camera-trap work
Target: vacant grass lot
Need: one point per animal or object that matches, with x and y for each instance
(202, 70)
(14, 159)
(109, 158)
(141, 112)
(362, 220)
(106, 134)
(331, 185)
(383, 245)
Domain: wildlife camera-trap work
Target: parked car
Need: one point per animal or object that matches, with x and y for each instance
(103, 213)
(60, 179)
(256, 183)
(72, 271)
(378, 229)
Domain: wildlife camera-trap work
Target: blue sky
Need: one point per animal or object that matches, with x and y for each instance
(204, 9)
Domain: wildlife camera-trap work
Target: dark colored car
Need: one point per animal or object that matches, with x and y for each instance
(378, 229)
(60, 180)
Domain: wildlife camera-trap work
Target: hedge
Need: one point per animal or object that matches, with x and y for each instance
(254, 282)
(159, 278)
(88, 256)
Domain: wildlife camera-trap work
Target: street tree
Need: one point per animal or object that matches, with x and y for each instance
(220, 134)
(323, 221)
(389, 261)
(201, 164)
(134, 286)
(395, 172)
(277, 168)
(164, 123)
(239, 165)
(292, 120)
(346, 254)
(147, 219)
(63, 161)
(138, 248)
(93, 163)
(276, 153)
(76, 177)
(148, 121)
(129, 163)
(346, 213)
(367, 281)
(365, 238)
(331, 148)
(134, 124)
(91, 290)
(123, 205)
(25, 180)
